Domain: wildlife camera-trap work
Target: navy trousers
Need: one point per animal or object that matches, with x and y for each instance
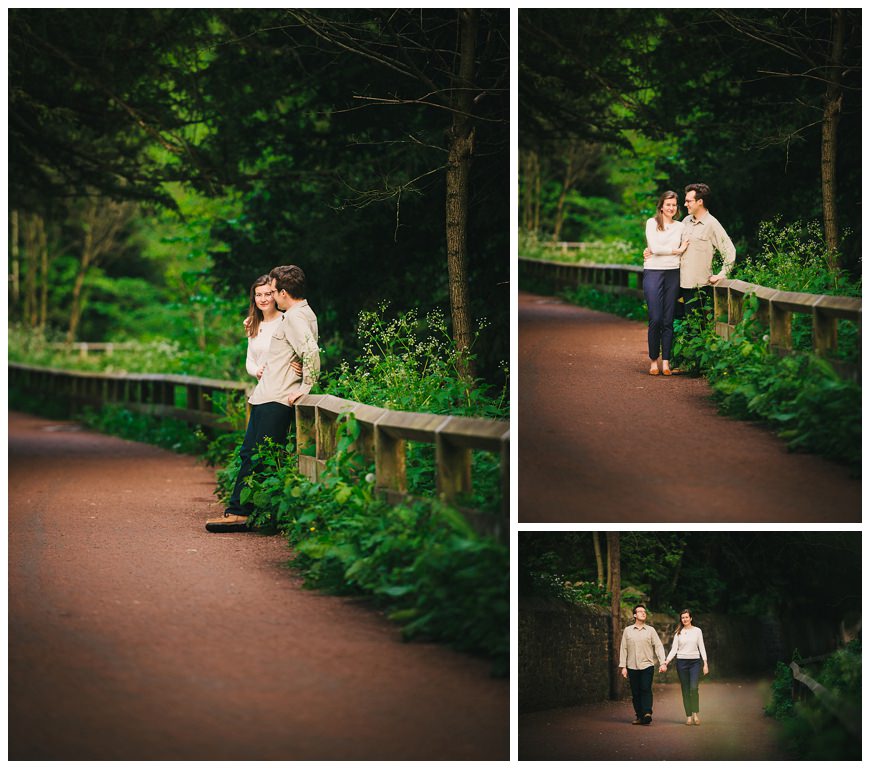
(641, 688)
(661, 289)
(268, 420)
(689, 672)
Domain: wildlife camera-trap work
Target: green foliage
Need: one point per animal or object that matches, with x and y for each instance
(800, 394)
(411, 364)
(794, 257)
(614, 251)
(625, 305)
(421, 560)
(168, 433)
(809, 729)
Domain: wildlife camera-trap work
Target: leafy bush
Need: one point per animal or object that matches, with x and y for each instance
(421, 559)
(168, 433)
(612, 251)
(800, 394)
(810, 729)
(794, 257)
(410, 364)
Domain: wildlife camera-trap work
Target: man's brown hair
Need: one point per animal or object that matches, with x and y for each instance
(702, 192)
(291, 279)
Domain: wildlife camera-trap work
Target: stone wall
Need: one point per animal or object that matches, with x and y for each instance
(564, 649)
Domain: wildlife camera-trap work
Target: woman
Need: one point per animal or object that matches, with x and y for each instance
(262, 321)
(688, 648)
(661, 279)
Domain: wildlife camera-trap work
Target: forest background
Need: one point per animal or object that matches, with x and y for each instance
(161, 159)
(618, 105)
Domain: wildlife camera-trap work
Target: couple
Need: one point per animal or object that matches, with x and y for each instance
(637, 652)
(283, 354)
(677, 264)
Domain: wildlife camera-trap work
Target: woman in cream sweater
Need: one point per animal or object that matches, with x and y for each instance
(688, 648)
(661, 279)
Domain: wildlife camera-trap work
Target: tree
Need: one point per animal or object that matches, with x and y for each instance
(615, 582)
(812, 46)
(458, 80)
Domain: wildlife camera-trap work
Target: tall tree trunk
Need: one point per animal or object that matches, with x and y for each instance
(460, 151)
(15, 254)
(830, 119)
(42, 241)
(615, 581)
(30, 316)
(75, 312)
(599, 560)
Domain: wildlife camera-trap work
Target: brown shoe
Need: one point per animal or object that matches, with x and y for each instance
(637, 722)
(227, 523)
(696, 719)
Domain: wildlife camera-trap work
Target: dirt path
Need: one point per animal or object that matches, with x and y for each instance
(733, 728)
(135, 634)
(601, 440)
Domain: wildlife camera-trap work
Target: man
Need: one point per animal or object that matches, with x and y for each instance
(279, 387)
(704, 234)
(640, 643)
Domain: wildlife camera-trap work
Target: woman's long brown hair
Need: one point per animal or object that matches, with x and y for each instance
(255, 314)
(660, 217)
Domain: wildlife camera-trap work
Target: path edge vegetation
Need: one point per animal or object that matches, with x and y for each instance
(799, 395)
(419, 562)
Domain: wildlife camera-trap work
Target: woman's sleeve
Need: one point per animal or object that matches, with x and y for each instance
(673, 652)
(701, 645)
(250, 363)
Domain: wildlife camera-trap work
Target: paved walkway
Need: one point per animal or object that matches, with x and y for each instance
(600, 440)
(136, 635)
(733, 728)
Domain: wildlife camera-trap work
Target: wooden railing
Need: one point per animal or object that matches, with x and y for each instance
(83, 348)
(189, 399)
(558, 276)
(383, 433)
(848, 714)
(775, 308)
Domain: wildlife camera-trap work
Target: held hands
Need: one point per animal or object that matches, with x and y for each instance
(663, 668)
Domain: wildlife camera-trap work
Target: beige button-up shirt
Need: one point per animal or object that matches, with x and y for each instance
(704, 235)
(639, 648)
(294, 338)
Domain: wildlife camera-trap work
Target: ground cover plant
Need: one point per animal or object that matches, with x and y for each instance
(809, 729)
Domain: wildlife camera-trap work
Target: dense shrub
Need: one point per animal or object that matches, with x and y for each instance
(810, 729)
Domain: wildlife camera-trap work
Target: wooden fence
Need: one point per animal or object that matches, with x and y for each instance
(775, 308)
(848, 714)
(84, 348)
(383, 433)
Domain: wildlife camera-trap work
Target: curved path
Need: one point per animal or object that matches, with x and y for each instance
(733, 728)
(136, 635)
(601, 440)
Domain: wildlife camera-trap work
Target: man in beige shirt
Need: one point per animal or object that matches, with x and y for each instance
(638, 649)
(705, 235)
(294, 341)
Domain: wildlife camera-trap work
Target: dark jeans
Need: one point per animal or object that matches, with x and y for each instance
(660, 289)
(641, 690)
(268, 420)
(689, 672)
